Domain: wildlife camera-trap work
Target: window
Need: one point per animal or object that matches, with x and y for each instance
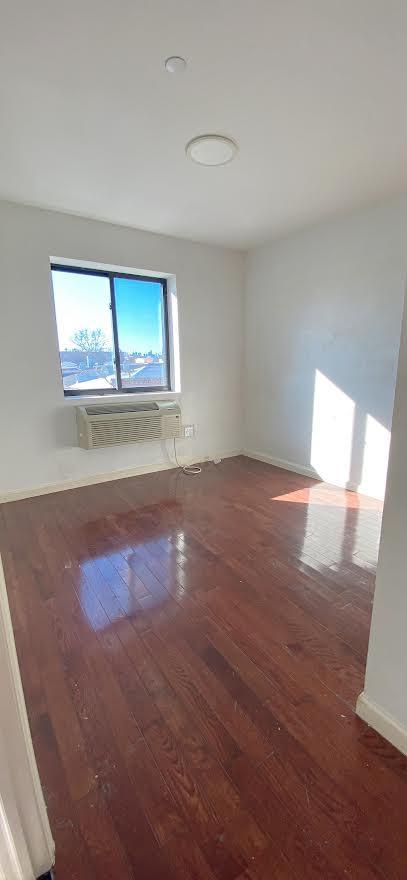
(112, 331)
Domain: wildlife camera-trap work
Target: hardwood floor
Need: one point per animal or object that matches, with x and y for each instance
(191, 651)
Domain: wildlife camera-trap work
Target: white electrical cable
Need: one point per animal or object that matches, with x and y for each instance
(190, 469)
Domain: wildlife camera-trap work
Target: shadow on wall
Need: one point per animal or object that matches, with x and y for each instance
(349, 447)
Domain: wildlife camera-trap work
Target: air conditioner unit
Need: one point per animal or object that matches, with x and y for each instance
(127, 423)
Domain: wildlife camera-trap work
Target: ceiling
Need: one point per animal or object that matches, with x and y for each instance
(314, 91)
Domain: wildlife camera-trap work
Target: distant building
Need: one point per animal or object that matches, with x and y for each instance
(68, 367)
(149, 374)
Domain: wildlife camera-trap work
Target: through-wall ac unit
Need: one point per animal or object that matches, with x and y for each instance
(127, 423)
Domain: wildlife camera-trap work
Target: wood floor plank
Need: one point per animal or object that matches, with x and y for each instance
(107, 853)
(183, 785)
(239, 845)
(187, 860)
(61, 808)
(191, 652)
(222, 744)
(306, 857)
(212, 778)
(230, 714)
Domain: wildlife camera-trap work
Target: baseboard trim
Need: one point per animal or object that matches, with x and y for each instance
(48, 488)
(302, 469)
(382, 722)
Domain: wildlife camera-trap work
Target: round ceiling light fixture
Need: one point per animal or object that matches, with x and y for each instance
(211, 149)
(175, 64)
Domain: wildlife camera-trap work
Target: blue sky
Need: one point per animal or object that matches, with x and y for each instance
(138, 310)
(83, 301)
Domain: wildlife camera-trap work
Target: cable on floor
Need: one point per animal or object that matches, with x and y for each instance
(190, 469)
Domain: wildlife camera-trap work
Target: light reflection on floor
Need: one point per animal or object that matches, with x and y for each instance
(136, 581)
(337, 526)
(101, 576)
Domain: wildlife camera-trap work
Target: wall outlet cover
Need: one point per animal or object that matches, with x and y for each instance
(189, 430)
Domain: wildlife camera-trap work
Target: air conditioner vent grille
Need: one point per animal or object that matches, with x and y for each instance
(121, 408)
(113, 425)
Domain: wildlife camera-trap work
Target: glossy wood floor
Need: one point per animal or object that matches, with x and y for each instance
(191, 651)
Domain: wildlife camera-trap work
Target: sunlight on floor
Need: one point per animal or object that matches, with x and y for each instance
(329, 496)
(330, 514)
(324, 536)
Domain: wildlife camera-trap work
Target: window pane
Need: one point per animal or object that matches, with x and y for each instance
(140, 327)
(84, 322)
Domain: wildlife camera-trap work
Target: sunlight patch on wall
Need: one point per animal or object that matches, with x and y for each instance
(332, 431)
(375, 458)
(174, 334)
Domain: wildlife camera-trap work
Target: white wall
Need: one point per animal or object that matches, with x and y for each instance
(322, 317)
(384, 702)
(38, 439)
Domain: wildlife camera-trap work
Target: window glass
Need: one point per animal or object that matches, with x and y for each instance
(112, 331)
(140, 329)
(85, 333)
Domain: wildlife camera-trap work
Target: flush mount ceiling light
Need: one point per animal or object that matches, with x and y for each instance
(211, 149)
(175, 64)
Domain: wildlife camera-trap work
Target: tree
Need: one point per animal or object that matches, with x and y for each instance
(89, 340)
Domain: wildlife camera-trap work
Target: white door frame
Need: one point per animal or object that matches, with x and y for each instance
(26, 846)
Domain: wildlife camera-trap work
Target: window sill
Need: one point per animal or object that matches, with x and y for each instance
(86, 400)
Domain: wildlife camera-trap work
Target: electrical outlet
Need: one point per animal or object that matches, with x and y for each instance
(189, 430)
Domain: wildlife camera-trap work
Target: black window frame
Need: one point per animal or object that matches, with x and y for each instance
(136, 389)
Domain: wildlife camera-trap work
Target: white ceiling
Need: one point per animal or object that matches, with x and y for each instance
(314, 91)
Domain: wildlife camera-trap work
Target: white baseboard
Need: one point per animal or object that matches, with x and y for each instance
(303, 469)
(92, 479)
(382, 722)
